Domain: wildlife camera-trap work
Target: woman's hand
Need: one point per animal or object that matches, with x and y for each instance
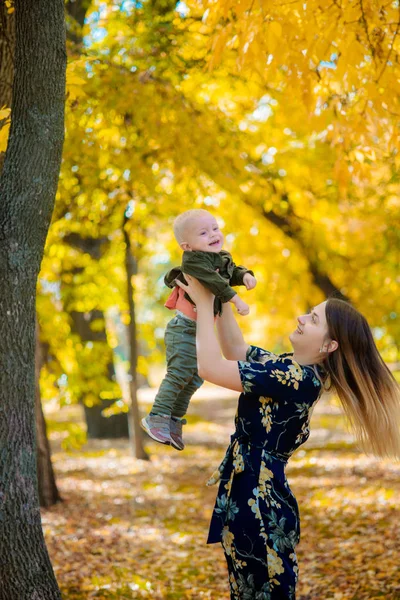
(198, 293)
(210, 364)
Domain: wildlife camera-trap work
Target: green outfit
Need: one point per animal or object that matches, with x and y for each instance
(203, 266)
(182, 379)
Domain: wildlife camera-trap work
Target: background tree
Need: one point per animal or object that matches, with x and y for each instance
(27, 188)
(94, 381)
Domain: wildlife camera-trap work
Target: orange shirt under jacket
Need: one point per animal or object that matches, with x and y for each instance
(177, 301)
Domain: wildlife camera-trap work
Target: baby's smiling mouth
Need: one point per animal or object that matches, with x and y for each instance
(214, 243)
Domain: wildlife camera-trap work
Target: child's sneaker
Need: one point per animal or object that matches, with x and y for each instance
(157, 427)
(176, 433)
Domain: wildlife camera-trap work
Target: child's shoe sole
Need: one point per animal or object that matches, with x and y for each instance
(176, 445)
(176, 433)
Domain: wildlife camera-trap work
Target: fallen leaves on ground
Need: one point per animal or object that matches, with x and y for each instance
(133, 529)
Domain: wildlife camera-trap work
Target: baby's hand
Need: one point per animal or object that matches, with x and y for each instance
(241, 306)
(249, 281)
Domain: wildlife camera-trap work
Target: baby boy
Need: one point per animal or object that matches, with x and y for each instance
(198, 234)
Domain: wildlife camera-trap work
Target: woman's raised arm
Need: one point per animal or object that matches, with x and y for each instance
(210, 363)
(230, 335)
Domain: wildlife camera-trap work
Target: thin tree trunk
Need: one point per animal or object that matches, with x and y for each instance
(134, 414)
(48, 491)
(27, 190)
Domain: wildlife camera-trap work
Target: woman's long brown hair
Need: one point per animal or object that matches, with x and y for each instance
(367, 389)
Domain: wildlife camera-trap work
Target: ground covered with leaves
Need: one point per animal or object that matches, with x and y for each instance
(134, 529)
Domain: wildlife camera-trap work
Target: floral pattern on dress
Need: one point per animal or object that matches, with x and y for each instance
(256, 515)
(266, 410)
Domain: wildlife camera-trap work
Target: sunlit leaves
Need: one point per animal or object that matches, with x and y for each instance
(5, 123)
(278, 139)
(9, 6)
(338, 59)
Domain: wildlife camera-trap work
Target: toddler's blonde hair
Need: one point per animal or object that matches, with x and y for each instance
(182, 221)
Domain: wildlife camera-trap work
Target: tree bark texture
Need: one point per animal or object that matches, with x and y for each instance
(27, 191)
(48, 491)
(136, 434)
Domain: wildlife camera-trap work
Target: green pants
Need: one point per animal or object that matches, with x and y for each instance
(182, 379)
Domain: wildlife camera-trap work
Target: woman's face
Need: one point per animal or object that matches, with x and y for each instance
(311, 334)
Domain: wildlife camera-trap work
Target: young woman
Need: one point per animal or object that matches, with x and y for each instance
(256, 515)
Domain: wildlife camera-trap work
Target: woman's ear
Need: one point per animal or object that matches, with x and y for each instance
(332, 346)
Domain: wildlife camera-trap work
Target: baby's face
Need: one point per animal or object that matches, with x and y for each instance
(203, 233)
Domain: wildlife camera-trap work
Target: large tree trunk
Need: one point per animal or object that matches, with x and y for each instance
(27, 189)
(48, 491)
(135, 429)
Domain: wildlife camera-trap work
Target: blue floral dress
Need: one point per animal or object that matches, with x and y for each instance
(256, 516)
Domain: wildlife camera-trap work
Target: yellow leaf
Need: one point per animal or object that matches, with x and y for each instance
(359, 156)
(4, 137)
(73, 79)
(274, 35)
(218, 48)
(74, 83)
(4, 113)
(355, 53)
